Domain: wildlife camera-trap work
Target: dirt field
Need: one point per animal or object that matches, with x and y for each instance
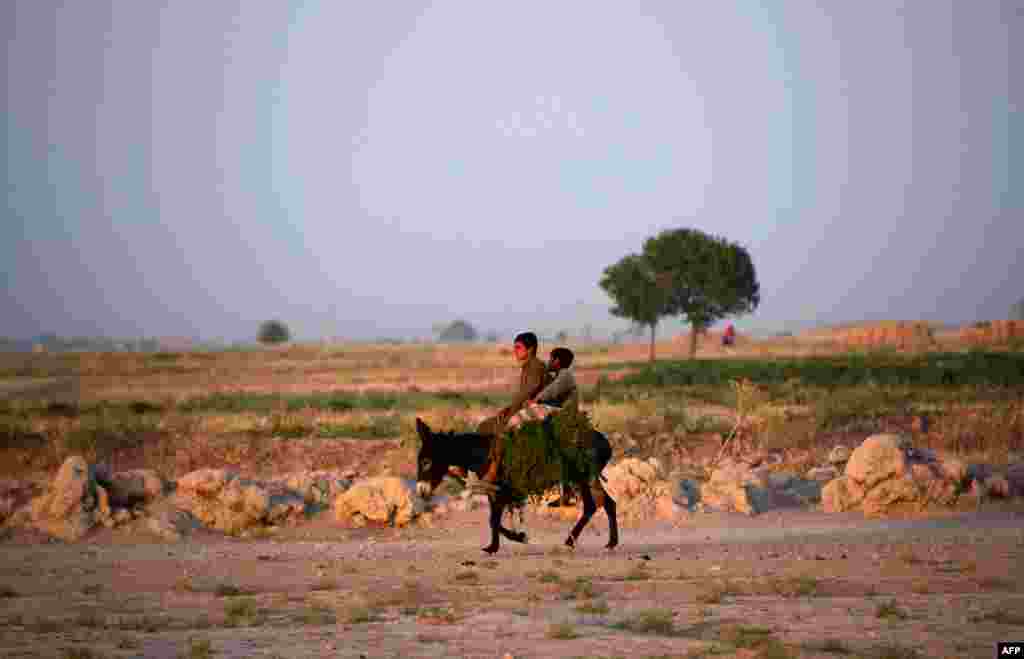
(784, 584)
(787, 583)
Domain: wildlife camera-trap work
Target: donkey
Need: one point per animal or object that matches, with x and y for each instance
(440, 452)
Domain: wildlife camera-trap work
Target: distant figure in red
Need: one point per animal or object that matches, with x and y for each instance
(729, 335)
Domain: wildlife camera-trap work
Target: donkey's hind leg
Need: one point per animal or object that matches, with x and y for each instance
(589, 508)
(497, 509)
(613, 520)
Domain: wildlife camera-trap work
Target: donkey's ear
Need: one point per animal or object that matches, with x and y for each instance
(422, 429)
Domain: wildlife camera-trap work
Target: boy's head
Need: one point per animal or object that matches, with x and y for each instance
(560, 358)
(524, 345)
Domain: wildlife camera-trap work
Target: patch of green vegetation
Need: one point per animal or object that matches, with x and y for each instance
(330, 401)
(79, 652)
(890, 611)
(894, 651)
(228, 590)
(378, 427)
(745, 636)
(596, 607)
(716, 592)
(240, 610)
(1000, 617)
(582, 588)
(855, 369)
(198, 649)
(650, 621)
(563, 631)
(830, 646)
(318, 614)
(100, 434)
(549, 576)
(801, 586)
(638, 573)
(443, 614)
(16, 432)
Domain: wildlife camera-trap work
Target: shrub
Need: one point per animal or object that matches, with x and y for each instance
(273, 332)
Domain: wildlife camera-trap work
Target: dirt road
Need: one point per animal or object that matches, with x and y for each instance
(793, 583)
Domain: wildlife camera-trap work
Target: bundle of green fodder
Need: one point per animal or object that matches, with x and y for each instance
(538, 455)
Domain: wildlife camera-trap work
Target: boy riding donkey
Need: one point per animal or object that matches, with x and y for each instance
(542, 391)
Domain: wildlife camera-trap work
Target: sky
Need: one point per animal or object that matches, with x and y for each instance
(368, 170)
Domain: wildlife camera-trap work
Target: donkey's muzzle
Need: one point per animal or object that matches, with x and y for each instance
(423, 489)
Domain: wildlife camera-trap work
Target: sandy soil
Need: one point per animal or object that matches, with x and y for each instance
(813, 583)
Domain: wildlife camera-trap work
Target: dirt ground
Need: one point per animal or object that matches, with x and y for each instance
(792, 583)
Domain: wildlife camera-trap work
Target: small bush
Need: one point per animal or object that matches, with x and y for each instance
(240, 610)
(582, 588)
(318, 614)
(563, 631)
(198, 649)
(228, 590)
(650, 621)
(595, 607)
(638, 573)
(548, 576)
(746, 636)
(890, 610)
(894, 651)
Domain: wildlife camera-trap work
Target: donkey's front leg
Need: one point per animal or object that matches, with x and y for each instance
(497, 510)
(589, 508)
(514, 536)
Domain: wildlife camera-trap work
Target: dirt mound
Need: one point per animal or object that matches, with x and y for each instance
(993, 332)
(903, 335)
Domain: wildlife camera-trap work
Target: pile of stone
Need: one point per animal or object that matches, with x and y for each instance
(886, 474)
(82, 497)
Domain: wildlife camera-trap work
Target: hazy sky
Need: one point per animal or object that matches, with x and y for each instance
(371, 169)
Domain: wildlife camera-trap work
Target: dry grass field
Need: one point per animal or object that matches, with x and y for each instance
(785, 584)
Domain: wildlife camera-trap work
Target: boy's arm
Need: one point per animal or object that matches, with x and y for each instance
(562, 383)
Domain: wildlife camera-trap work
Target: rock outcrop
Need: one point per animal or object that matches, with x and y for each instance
(133, 487)
(316, 487)
(72, 504)
(385, 500)
(219, 498)
(885, 471)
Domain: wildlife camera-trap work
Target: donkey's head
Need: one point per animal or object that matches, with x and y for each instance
(432, 462)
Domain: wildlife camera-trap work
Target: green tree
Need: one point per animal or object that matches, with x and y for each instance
(632, 285)
(458, 331)
(273, 331)
(705, 278)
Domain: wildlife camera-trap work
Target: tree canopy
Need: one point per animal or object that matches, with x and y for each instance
(273, 332)
(633, 286)
(458, 331)
(687, 272)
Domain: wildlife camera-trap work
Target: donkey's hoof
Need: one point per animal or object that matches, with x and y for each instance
(490, 549)
(570, 542)
(612, 544)
(519, 537)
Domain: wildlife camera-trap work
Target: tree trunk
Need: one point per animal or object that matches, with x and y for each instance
(653, 326)
(694, 333)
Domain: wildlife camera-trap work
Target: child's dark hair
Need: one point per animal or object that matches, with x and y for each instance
(528, 339)
(563, 355)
